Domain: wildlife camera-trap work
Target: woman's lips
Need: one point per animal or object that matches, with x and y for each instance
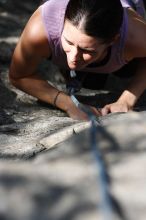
(73, 62)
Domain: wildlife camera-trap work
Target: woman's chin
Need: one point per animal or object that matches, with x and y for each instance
(75, 66)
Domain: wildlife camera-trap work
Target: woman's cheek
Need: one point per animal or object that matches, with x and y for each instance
(87, 57)
(66, 47)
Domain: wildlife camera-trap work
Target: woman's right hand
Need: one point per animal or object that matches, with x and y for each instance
(77, 114)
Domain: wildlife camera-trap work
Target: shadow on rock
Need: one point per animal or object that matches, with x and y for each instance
(7, 96)
(14, 14)
(98, 100)
(5, 118)
(37, 198)
(7, 102)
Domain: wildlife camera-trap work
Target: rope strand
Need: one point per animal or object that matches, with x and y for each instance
(109, 203)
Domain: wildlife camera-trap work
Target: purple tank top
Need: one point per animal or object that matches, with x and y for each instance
(53, 18)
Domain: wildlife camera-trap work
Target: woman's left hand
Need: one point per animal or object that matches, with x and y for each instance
(115, 107)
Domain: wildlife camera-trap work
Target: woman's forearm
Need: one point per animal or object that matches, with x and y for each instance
(41, 89)
(136, 87)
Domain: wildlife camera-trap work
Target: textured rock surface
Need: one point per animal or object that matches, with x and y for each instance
(47, 166)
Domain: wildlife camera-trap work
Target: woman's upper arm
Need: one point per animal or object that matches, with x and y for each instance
(32, 47)
(136, 41)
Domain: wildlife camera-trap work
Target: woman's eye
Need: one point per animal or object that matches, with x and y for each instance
(92, 52)
(69, 43)
(88, 51)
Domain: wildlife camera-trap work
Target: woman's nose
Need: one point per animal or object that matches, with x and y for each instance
(74, 55)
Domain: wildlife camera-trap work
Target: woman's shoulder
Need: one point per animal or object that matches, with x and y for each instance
(35, 35)
(136, 37)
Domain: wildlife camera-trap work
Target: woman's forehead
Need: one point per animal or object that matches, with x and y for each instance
(77, 36)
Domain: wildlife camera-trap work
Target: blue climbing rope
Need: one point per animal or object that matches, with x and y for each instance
(103, 177)
(109, 204)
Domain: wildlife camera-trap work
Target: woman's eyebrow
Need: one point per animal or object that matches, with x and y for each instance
(67, 40)
(88, 49)
(82, 48)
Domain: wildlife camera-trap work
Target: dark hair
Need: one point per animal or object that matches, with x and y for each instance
(97, 18)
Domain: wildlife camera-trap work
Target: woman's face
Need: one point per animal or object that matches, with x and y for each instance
(80, 48)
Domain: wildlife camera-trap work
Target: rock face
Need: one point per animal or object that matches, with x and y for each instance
(63, 182)
(47, 164)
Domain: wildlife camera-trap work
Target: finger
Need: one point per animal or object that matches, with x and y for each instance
(98, 112)
(105, 110)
